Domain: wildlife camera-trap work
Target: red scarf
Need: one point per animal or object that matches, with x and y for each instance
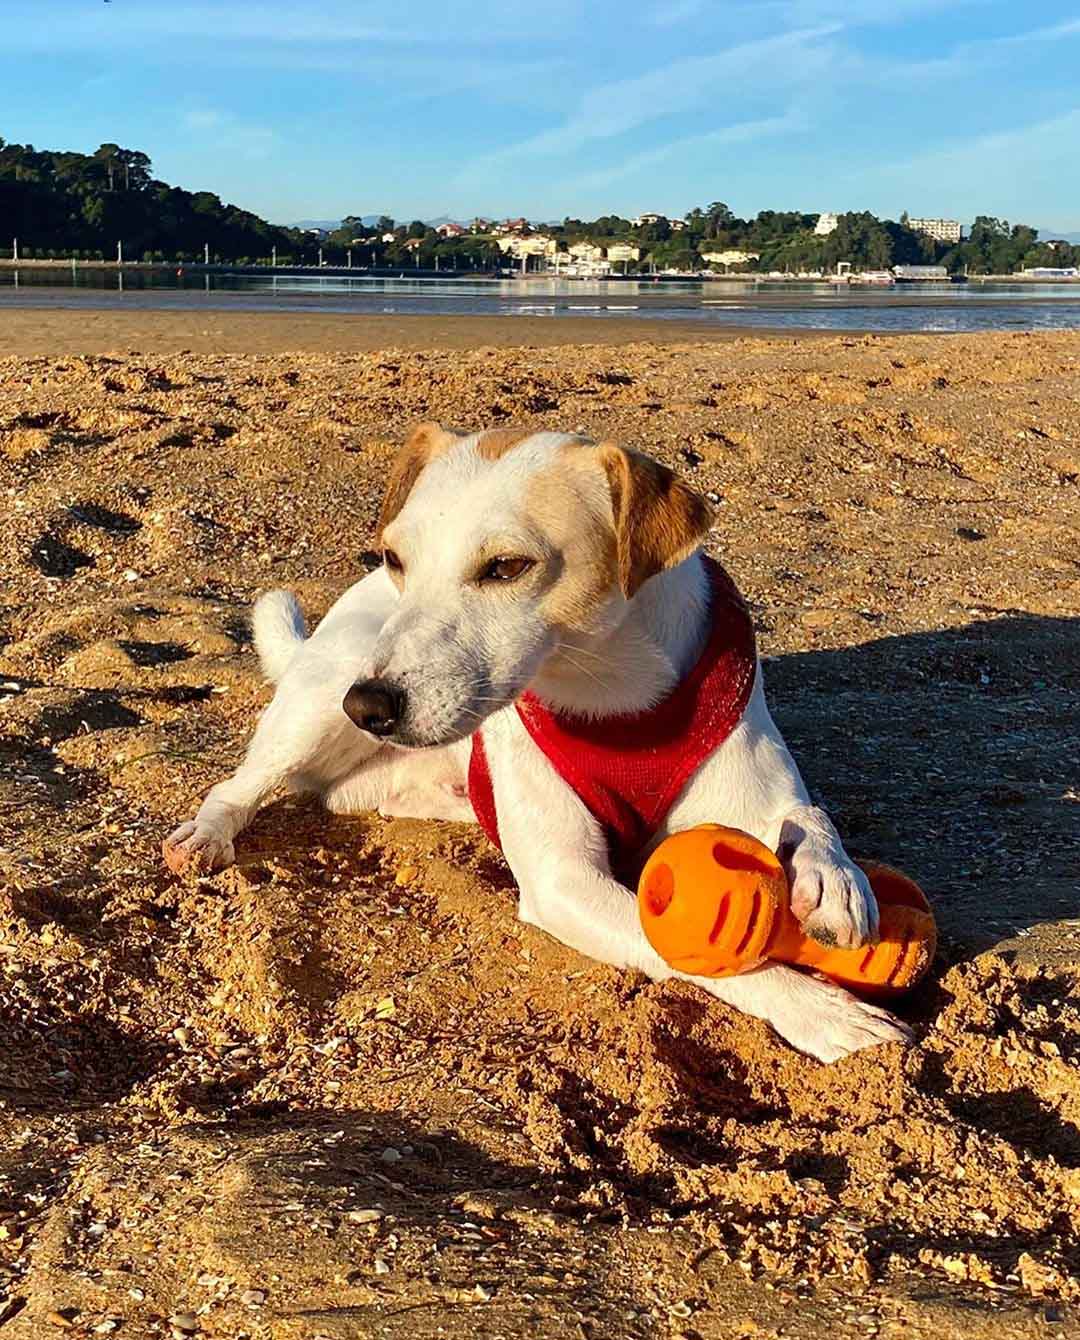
(628, 770)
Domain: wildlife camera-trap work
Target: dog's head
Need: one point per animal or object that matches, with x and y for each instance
(509, 549)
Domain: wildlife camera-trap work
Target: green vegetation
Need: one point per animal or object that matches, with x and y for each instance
(70, 204)
(62, 204)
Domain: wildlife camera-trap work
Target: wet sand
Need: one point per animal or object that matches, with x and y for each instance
(93, 331)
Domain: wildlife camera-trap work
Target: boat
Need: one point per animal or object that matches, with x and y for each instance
(878, 278)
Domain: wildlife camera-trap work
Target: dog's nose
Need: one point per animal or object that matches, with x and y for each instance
(375, 705)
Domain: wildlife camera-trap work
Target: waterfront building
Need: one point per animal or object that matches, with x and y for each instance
(586, 251)
(919, 273)
(942, 230)
(730, 257)
(535, 245)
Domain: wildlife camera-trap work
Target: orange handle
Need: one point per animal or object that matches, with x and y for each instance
(714, 901)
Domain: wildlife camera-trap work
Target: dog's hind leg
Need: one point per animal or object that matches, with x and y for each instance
(408, 784)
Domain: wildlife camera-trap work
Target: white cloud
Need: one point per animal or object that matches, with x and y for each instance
(674, 12)
(1070, 28)
(1006, 171)
(228, 134)
(609, 110)
(742, 132)
(256, 23)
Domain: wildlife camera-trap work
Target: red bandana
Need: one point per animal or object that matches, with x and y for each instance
(628, 770)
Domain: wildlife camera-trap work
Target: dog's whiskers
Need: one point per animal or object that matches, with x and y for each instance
(584, 670)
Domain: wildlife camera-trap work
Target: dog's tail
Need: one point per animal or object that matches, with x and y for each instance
(278, 625)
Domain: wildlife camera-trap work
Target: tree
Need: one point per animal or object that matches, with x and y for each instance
(717, 216)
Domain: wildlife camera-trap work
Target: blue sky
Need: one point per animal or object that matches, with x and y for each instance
(325, 107)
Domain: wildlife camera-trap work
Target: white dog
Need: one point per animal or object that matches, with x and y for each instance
(545, 596)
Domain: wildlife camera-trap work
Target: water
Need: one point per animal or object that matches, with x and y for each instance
(795, 306)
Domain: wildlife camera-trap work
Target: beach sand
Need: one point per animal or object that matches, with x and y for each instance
(217, 330)
(338, 1090)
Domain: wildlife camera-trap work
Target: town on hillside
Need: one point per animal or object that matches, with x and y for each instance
(107, 206)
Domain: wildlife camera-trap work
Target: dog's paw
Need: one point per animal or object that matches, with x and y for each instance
(835, 1024)
(198, 848)
(833, 900)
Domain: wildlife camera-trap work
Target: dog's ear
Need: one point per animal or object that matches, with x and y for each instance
(658, 520)
(425, 442)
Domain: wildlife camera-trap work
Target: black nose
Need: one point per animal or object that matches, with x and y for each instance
(375, 705)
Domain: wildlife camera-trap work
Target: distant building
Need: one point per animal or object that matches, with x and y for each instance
(511, 226)
(942, 230)
(536, 245)
(1055, 243)
(479, 225)
(731, 257)
(586, 251)
(388, 237)
(622, 251)
(826, 224)
(643, 219)
(1052, 272)
(913, 274)
(450, 229)
(677, 225)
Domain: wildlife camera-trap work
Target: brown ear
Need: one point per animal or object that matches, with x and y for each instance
(424, 443)
(658, 520)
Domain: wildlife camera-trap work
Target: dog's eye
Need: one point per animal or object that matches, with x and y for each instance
(392, 561)
(505, 569)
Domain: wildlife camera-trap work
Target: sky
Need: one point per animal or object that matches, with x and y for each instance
(556, 108)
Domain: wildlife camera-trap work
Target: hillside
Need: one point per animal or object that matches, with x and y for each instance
(83, 204)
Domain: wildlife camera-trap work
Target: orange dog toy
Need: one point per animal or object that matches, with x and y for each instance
(714, 901)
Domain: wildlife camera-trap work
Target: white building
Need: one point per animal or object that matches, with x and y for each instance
(943, 230)
(586, 251)
(732, 257)
(643, 219)
(535, 245)
(622, 251)
(826, 224)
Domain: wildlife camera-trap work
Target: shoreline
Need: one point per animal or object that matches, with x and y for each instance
(37, 331)
(469, 276)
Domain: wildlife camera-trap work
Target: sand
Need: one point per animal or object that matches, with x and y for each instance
(220, 331)
(338, 1090)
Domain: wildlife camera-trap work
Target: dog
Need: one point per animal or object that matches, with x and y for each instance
(542, 609)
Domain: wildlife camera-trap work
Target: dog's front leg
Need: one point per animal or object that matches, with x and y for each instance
(303, 740)
(558, 855)
(752, 782)
(829, 893)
